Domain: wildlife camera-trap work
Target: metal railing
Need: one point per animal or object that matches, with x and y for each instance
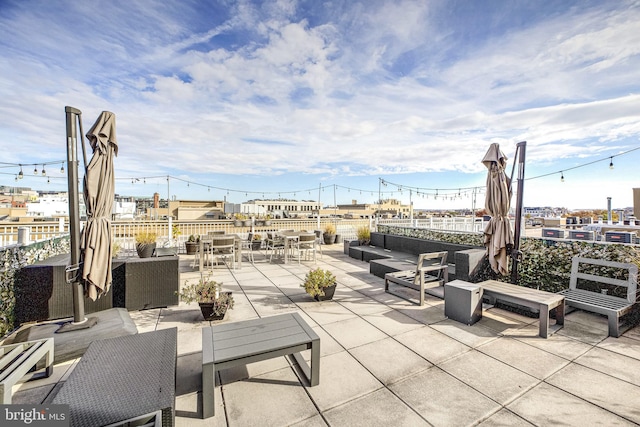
(124, 232)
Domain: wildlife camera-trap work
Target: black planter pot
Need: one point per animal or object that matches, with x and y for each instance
(329, 239)
(191, 247)
(145, 250)
(256, 245)
(207, 309)
(328, 294)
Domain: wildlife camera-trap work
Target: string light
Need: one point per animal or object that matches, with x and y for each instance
(20, 174)
(561, 176)
(62, 168)
(35, 169)
(43, 171)
(611, 162)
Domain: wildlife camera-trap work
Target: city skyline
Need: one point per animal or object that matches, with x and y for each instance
(285, 97)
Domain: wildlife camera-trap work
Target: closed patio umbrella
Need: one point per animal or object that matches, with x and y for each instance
(99, 188)
(498, 237)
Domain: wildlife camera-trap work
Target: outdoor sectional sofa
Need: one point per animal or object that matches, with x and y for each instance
(389, 253)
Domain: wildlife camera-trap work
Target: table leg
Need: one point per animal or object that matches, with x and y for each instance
(208, 374)
(201, 250)
(315, 363)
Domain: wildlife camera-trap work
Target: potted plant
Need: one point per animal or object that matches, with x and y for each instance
(208, 294)
(267, 220)
(192, 244)
(239, 219)
(363, 233)
(329, 234)
(256, 242)
(145, 243)
(116, 248)
(320, 284)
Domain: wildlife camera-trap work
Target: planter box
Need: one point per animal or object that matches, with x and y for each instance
(42, 292)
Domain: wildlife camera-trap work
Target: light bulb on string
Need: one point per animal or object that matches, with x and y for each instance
(62, 168)
(20, 174)
(561, 176)
(35, 169)
(43, 171)
(611, 163)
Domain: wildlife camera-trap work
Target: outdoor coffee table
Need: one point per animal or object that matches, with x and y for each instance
(248, 341)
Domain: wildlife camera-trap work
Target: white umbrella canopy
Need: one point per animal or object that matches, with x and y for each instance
(498, 234)
(99, 189)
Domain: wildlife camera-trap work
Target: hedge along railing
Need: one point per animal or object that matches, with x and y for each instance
(456, 237)
(13, 259)
(546, 263)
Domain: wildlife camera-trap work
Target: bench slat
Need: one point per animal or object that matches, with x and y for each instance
(606, 302)
(602, 279)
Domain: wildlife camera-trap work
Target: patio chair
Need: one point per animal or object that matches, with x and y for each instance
(418, 278)
(196, 254)
(223, 247)
(306, 243)
(319, 240)
(248, 246)
(274, 244)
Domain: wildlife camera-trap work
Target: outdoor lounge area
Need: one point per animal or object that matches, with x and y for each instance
(387, 361)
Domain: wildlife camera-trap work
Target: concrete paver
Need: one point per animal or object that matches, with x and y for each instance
(443, 400)
(380, 408)
(387, 361)
(489, 376)
(548, 405)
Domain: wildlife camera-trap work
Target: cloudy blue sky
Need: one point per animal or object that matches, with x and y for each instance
(245, 99)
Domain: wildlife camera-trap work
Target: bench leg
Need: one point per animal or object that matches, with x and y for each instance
(560, 309)
(544, 320)
(614, 325)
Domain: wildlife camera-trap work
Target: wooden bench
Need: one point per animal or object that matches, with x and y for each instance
(248, 341)
(120, 380)
(419, 277)
(598, 302)
(16, 360)
(528, 297)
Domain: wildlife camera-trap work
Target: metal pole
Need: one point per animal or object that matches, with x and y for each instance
(73, 114)
(410, 208)
(516, 255)
(319, 205)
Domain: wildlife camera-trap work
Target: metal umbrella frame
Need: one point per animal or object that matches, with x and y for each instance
(73, 121)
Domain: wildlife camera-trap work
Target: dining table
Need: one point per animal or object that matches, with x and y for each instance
(290, 237)
(208, 240)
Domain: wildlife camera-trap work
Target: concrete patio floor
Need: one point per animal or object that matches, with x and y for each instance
(388, 362)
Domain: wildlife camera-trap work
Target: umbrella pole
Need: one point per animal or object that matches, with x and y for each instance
(73, 114)
(516, 255)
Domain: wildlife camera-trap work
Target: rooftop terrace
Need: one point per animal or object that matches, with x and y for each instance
(386, 361)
